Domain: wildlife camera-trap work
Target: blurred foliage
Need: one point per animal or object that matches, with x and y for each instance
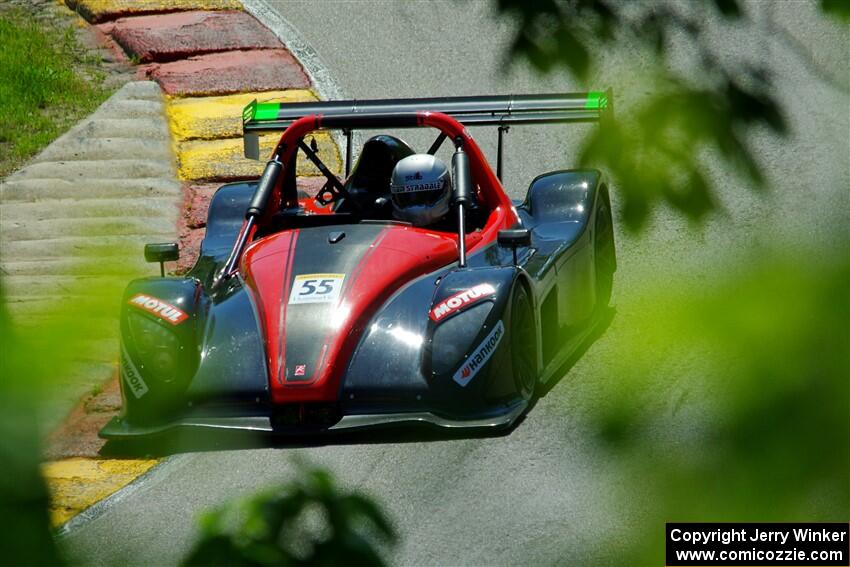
(308, 521)
(25, 535)
(655, 152)
(729, 396)
(39, 349)
(837, 8)
(731, 403)
(758, 432)
(47, 83)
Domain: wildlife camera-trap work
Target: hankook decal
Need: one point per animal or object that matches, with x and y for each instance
(480, 355)
(131, 375)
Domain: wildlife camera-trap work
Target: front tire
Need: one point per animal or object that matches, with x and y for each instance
(523, 343)
(605, 259)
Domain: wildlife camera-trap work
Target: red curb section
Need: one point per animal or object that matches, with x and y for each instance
(168, 37)
(230, 72)
(198, 196)
(197, 202)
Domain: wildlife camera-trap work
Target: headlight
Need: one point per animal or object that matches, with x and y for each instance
(159, 350)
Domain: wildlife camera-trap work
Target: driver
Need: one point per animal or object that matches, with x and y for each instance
(421, 188)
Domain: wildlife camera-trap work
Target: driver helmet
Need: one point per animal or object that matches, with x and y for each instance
(421, 188)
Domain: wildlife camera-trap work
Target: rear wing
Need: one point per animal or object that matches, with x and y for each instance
(501, 111)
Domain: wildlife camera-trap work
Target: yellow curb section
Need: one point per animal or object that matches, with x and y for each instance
(224, 159)
(212, 117)
(129, 7)
(77, 483)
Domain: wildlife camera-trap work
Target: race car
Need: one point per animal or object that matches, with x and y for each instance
(318, 314)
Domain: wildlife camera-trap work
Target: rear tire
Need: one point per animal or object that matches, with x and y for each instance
(605, 259)
(523, 343)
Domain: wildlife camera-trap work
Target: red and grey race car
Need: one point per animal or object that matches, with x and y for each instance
(321, 314)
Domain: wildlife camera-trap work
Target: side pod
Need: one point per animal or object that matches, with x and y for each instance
(416, 352)
(562, 196)
(224, 220)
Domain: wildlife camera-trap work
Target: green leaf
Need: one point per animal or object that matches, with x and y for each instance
(837, 8)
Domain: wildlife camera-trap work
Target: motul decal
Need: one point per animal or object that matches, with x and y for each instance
(480, 355)
(461, 300)
(161, 309)
(131, 375)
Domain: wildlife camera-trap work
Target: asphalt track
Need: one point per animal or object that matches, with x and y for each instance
(541, 494)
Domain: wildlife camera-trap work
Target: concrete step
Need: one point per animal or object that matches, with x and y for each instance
(83, 170)
(23, 212)
(105, 248)
(100, 325)
(44, 189)
(86, 227)
(145, 128)
(73, 225)
(84, 148)
(59, 305)
(65, 288)
(141, 90)
(118, 267)
(131, 109)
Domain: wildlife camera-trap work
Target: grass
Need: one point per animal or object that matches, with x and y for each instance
(48, 82)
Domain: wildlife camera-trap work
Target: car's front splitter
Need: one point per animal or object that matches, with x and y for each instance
(119, 428)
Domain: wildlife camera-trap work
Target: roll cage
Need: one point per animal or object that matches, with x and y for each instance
(276, 191)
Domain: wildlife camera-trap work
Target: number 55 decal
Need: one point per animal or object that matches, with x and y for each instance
(316, 288)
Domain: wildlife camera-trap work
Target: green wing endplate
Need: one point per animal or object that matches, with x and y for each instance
(596, 100)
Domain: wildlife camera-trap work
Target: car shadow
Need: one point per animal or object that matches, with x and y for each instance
(195, 441)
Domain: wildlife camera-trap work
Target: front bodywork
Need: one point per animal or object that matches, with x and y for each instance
(400, 358)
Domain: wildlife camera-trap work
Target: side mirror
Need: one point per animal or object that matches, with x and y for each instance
(514, 238)
(162, 252)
